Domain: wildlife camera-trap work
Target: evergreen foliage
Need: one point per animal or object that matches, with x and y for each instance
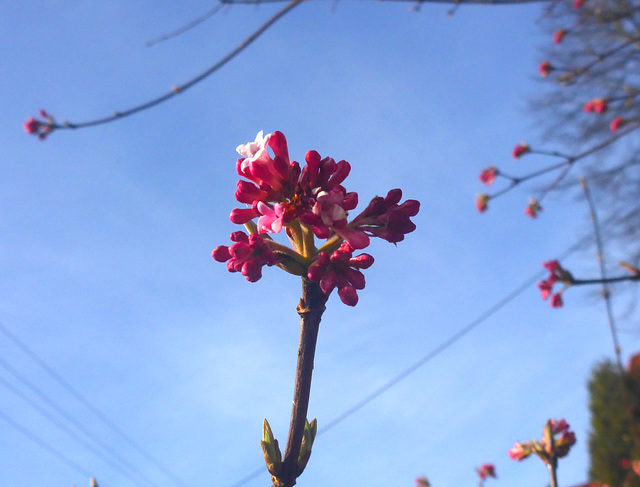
(610, 439)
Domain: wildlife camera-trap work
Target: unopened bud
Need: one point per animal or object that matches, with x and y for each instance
(628, 267)
(309, 434)
(271, 450)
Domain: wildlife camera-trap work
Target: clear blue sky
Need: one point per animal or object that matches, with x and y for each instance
(107, 234)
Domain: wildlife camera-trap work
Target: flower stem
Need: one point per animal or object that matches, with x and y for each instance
(310, 309)
(553, 476)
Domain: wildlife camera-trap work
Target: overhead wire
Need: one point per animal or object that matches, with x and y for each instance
(59, 410)
(36, 439)
(91, 407)
(66, 429)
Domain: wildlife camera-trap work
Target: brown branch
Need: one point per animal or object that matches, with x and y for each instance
(310, 309)
(457, 2)
(565, 165)
(187, 27)
(604, 280)
(176, 90)
(601, 57)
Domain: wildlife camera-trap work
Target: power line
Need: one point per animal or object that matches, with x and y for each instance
(86, 403)
(63, 427)
(53, 405)
(36, 439)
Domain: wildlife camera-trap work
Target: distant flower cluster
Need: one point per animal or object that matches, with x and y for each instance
(556, 442)
(39, 127)
(486, 470)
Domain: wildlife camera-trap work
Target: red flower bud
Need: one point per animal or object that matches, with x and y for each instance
(617, 123)
(545, 68)
(559, 35)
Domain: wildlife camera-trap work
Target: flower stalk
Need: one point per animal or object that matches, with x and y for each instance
(310, 309)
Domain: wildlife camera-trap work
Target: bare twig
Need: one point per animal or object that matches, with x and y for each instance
(187, 27)
(176, 90)
(564, 165)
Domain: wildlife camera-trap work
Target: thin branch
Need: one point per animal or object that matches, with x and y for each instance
(461, 2)
(606, 293)
(600, 58)
(604, 280)
(176, 90)
(564, 165)
(187, 27)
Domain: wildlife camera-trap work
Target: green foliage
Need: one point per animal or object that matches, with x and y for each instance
(610, 439)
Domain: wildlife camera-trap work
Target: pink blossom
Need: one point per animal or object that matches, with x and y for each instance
(385, 218)
(486, 470)
(520, 150)
(481, 202)
(556, 300)
(275, 177)
(532, 209)
(558, 426)
(578, 3)
(545, 288)
(597, 105)
(342, 271)
(564, 443)
(617, 123)
(422, 482)
(41, 128)
(270, 217)
(544, 68)
(520, 451)
(241, 216)
(488, 175)
(32, 126)
(559, 35)
(247, 256)
(551, 265)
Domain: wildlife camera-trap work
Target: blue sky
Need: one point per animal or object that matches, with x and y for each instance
(107, 234)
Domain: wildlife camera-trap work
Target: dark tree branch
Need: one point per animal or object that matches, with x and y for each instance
(176, 90)
(187, 27)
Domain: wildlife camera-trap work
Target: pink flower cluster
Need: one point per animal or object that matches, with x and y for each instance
(556, 274)
(556, 442)
(41, 128)
(597, 105)
(486, 470)
(340, 270)
(308, 202)
(247, 256)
